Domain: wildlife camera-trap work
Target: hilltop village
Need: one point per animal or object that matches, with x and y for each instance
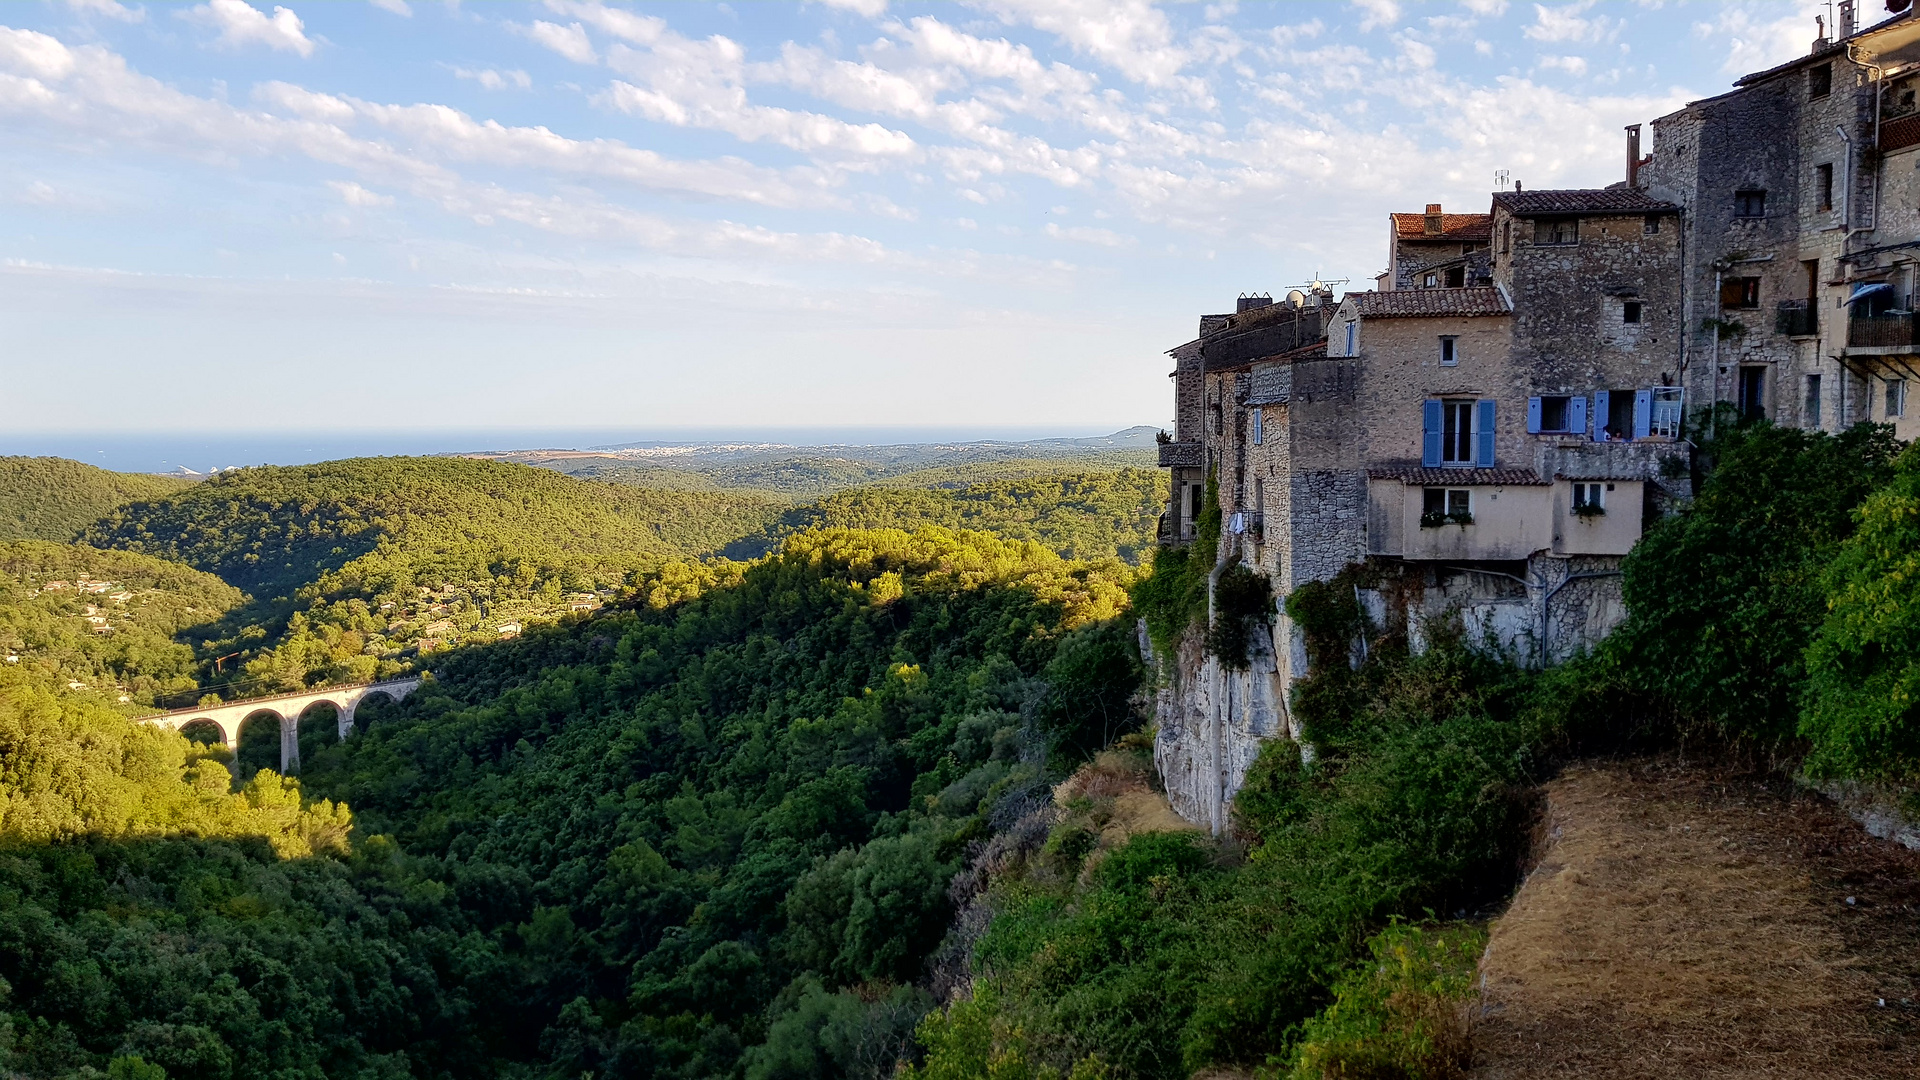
(1491, 427)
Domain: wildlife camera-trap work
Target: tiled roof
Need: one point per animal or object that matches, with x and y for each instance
(1621, 200)
(1431, 477)
(1420, 303)
(1452, 227)
(1313, 350)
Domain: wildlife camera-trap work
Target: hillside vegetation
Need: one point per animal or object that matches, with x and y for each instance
(47, 498)
(709, 839)
(1077, 513)
(117, 623)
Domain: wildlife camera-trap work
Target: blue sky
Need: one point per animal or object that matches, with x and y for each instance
(417, 214)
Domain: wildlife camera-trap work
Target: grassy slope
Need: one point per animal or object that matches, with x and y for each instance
(48, 498)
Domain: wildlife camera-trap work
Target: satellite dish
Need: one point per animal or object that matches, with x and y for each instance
(1296, 297)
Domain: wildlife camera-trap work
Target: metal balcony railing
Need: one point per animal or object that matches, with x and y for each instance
(1882, 331)
(1797, 318)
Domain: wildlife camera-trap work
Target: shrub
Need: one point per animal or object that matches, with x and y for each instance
(1863, 703)
(1398, 1014)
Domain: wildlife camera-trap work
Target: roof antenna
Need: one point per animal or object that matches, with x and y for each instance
(1500, 178)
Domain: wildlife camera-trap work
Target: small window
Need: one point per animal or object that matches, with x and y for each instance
(1820, 81)
(1630, 311)
(1506, 237)
(1353, 337)
(1896, 398)
(1441, 506)
(1812, 417)
(1430, 281)
(1823, 179)
(1751, 203)
(1449, 350)
(1560, 230)
(1650, 224)
(1589, 500)
(1553, 413)
(1258, 435)
(1457, 277)
(1740, 292)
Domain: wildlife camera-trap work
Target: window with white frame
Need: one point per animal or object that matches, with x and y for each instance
(1896, 398)
(1590, 499)
(1439, 506)
(1449, 350)
(1456, 432)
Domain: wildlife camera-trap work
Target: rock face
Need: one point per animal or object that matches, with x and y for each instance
(1212, 721)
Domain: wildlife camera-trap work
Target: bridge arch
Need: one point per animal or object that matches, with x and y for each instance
(199, 728)
(226, 720)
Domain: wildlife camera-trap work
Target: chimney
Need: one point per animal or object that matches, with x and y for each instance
(1436, 222)
(1516, 187)
(1634, 161)
(1846, 26)
(1249, 301)
(1819, 32)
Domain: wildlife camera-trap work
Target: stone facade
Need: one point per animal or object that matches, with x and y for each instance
(1494, 426)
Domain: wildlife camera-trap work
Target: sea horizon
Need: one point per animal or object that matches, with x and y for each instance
(163, 451)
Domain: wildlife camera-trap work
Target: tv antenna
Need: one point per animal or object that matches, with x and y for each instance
(1500, 178)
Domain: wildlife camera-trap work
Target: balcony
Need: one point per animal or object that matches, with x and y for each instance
(1890, 331)
(1184, 455)
(1796, 318)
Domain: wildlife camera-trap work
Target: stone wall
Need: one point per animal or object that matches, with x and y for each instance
(1212, 724)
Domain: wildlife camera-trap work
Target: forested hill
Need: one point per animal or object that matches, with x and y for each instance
(48, 498)
(398, 521)
(1076, 512)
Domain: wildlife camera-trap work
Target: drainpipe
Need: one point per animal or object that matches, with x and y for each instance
(1846, 189)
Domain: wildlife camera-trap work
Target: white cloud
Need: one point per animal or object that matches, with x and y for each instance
(36, 54)
(355, 195)
(1131, 36)
(1570, 24)
(872, 9)
(1418, 53)
(1572, 65)
(109, 9)
(569, 41)
(1378, 13)
(241, 24)
(1082, 234)
(489, 79)
(621, 23)
(1486, 8)
(397, 7)
(1754, 44)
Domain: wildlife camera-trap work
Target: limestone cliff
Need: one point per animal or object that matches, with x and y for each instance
(1212, 720)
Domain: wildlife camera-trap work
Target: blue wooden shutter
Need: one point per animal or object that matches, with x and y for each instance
(1430, 430)
(1353, 334)
(1602, 414)
(1577, 415)
(1257, 413)
(1642, 414)
(1533, 416)
(1483, 434)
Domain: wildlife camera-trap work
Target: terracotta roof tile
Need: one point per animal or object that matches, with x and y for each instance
(1453, 227)
(1424, 303)
(1426, 476)
(1615, 200)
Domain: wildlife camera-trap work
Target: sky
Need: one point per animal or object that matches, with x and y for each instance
(415, 215)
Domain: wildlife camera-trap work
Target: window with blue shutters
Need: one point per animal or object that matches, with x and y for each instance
(1557, 414)
(1642, 414)
(1483, 452)
(1450, 428)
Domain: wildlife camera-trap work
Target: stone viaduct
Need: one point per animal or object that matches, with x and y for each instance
(286, 709)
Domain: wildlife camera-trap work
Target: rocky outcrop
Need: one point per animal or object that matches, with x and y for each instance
(1212, 721)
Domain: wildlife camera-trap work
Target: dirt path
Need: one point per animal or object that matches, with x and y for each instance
(1683, 923)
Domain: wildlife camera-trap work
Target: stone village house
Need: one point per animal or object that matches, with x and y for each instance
(1493, 425)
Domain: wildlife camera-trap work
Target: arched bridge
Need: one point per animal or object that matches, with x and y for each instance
(226, 718)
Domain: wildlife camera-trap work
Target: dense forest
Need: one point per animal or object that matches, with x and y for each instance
(47, 498)
(877, 801)
(1077, 513)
